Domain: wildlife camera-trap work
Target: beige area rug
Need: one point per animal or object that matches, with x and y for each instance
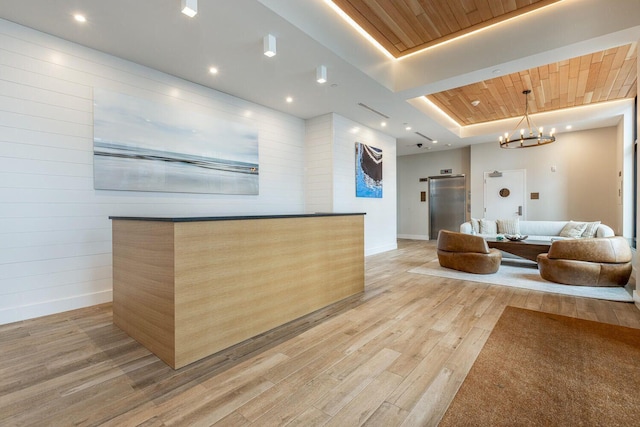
(540, 369)
(525, 275)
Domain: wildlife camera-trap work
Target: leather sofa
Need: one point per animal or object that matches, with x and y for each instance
(465, 252)
(587, 262)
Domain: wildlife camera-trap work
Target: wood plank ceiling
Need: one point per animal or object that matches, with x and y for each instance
(408, 26)
(598, 77)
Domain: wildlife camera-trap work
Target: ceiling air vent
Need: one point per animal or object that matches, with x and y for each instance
(424, 136)
(372, 110)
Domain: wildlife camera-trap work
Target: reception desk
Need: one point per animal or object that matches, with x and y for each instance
(186, 288)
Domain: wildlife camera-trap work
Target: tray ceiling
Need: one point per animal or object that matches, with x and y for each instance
(598, 77)
(405, 27)
(409, 26)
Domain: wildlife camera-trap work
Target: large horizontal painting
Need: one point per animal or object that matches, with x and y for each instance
(368, 171)
(140, 145)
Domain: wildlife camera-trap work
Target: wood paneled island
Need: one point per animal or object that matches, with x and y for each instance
(186, 288)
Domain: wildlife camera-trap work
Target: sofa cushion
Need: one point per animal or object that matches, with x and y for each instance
(573, 229)
(508, 226)
(591, 229)
(488, 226)
(541, 228)
(475, 225)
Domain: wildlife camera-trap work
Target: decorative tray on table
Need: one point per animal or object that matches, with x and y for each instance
(515, 237)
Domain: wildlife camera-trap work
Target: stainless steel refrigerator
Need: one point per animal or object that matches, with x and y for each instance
(447, 203)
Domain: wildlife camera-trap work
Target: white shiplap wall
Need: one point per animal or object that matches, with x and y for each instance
(55, 235)
(319, 164)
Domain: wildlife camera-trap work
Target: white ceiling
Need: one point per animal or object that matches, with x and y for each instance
(228, 34)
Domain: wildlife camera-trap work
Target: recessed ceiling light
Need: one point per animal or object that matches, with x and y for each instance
(383, 124)
(407, 128)
(213, 70)
(79, 17)
(289, 99)
(568, 127)
(435, 141)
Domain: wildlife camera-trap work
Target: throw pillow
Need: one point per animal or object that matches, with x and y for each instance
(591, 230)
(509, 226)
(475, 225)
(488, 226)
(573, 229)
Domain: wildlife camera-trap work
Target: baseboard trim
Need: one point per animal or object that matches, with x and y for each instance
(45, 308)
(413, 236)
(380, 249)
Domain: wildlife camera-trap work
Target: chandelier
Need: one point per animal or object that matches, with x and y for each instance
(533, 138)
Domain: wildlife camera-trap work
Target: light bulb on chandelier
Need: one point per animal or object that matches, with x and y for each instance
(534, 138)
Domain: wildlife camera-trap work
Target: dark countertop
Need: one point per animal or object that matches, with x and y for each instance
(229, 218)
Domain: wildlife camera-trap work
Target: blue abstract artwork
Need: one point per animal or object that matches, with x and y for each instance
(368, 171)
(140, 145)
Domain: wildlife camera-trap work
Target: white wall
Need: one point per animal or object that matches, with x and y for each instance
(55, 235)
(583, 188)
(331, 177)
(380, 219)
(413, 215)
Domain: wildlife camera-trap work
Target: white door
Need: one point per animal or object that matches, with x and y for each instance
(504, 194)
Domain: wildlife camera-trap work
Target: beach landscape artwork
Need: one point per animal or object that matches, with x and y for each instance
(140, 145)
(368, 171)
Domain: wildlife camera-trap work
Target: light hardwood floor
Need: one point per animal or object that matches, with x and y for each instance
(395, 355)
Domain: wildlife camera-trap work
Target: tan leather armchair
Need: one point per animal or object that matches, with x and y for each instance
(602, 261)
(465, 252)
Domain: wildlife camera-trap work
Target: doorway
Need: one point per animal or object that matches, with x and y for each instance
(504, 194)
